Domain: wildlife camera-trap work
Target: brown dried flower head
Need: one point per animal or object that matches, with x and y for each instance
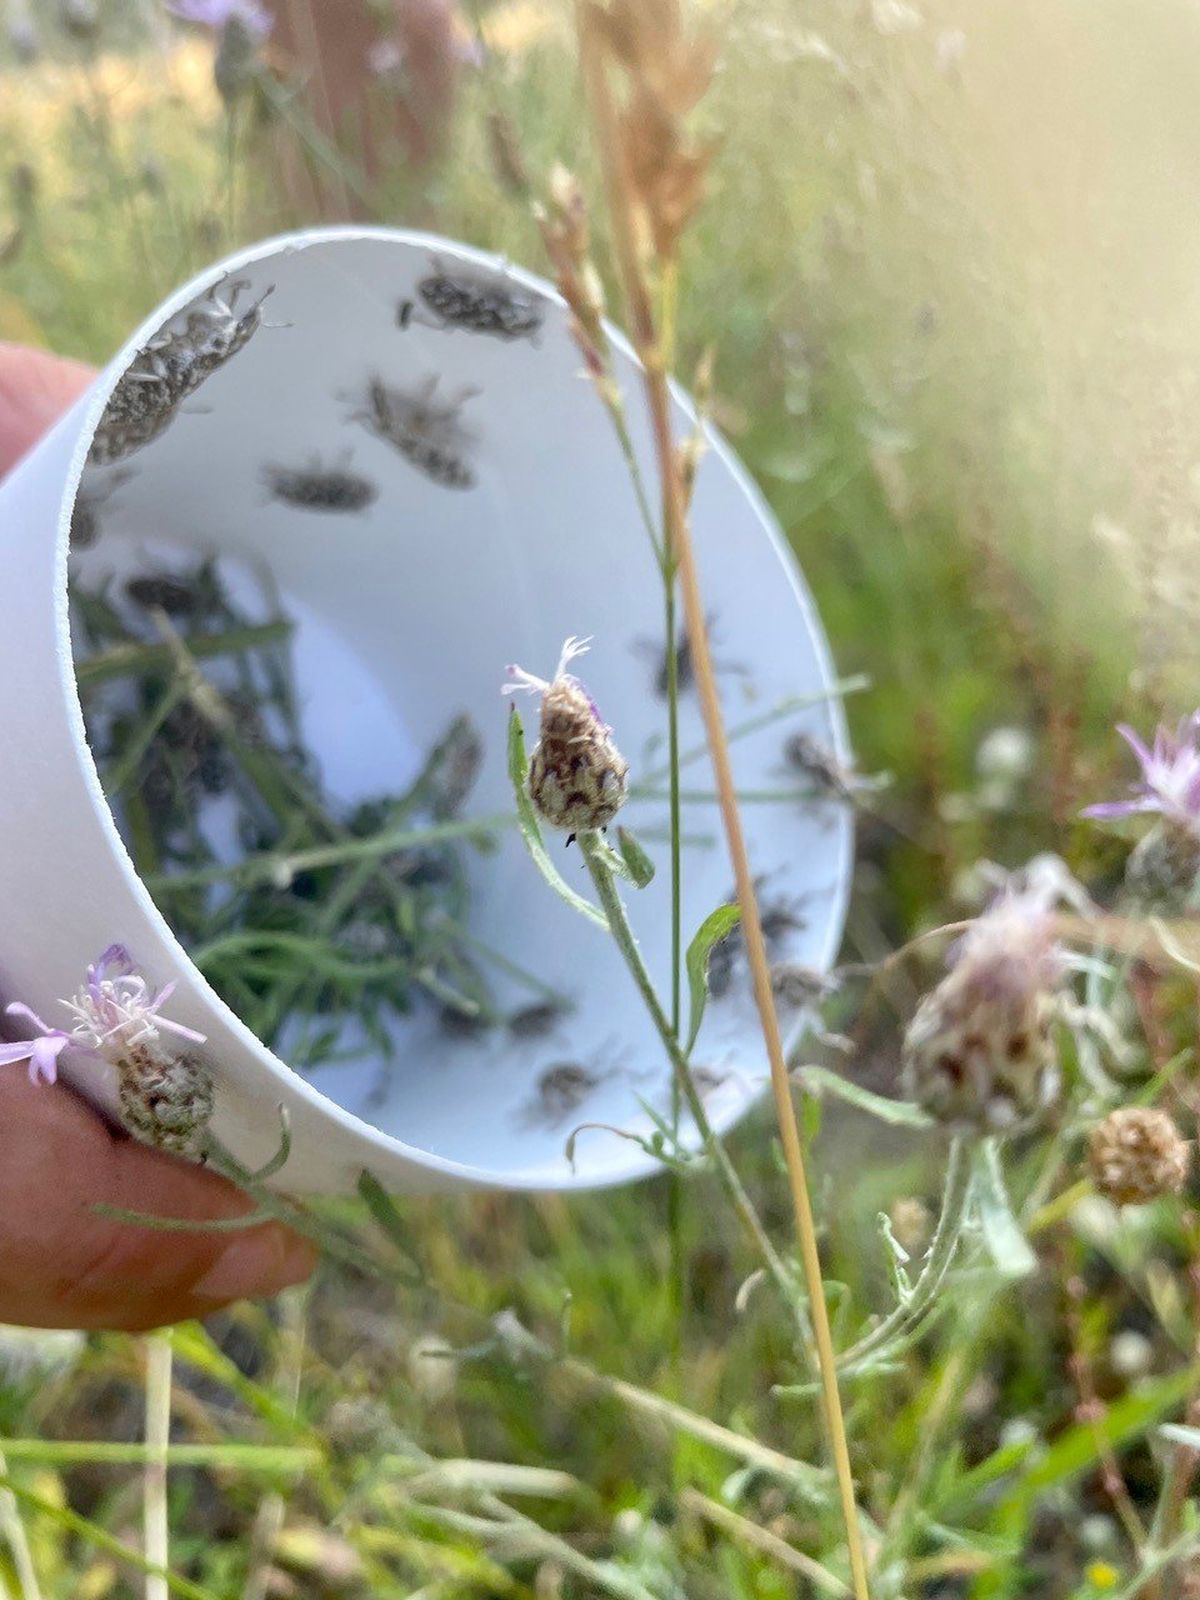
(1137, 1154)
(578, 779)
(980, 1052)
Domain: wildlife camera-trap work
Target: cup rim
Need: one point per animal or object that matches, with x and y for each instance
(274, 1068)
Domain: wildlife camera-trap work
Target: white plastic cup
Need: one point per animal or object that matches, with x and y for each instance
(408, 613)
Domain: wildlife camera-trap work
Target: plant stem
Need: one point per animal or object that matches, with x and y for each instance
(13, 1530)
(622, 214)
(269, 864)
(770, 1544)
(158, 1437)
(123, 659)
(946, 1235)
(622, 932)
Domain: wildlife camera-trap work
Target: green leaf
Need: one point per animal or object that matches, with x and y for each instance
(518, 771)
(269, 1458)
(711, 931)
(898, 1259)
(1002, 1236)
(383, 1208)
(638, 864)
(84, 1528)
(899, 1113)
(1078, 1448)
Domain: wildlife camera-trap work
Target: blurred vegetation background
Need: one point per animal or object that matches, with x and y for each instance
(948, 266)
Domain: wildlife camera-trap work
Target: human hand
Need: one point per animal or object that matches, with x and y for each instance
(61, 1265)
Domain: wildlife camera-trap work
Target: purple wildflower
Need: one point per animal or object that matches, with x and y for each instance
(115, 1008)
(114, 1012)
(1170, 779)
(216, 13)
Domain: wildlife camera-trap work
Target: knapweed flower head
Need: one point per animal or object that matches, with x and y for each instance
(1170, 776)
(112, 1012)
(250, 14)
(578, 779)
(1164, 866)
(165, 1092)
(979, 1053)
(166, 1099)
(1136, 1155)
(114, 1009)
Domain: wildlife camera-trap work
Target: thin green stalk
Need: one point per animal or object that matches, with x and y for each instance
(765, 719)
(955, 1198)
(120, 660)
(764, 1540)
(675, 1197)
(271, 864)
(85, 1528)
(271, 1458)
(124, 769)
(618, 920)
(15, 1536)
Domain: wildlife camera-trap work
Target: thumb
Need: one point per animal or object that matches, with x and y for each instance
(62, 1265)
(35, 389)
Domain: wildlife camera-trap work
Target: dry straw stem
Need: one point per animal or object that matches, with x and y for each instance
(626, 185)
(158, 1438)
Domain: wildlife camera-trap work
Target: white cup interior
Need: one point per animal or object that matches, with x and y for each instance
(408, 612)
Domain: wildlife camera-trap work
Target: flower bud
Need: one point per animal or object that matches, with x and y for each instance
(1137, 1154)
(1163, 867)
(912, 1224)
(578, 779)
(980, 1053)
(166, 1100)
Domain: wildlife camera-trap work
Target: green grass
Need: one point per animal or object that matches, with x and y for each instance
(929, 528)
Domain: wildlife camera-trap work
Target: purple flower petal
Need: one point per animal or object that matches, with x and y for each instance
(216, 13)
(18, 1008)
(43, 1058)
(1145, 756)
(1117, 808)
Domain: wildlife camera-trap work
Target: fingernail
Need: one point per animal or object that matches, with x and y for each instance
(256, 1265)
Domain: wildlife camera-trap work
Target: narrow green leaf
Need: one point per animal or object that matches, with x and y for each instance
(899, 1113)
(91, 1532)
(518, 771)
(383, 1208)
(271, 1458)
(713, 929)
(638, 863)
(1077, 1448)
(898, 1259)
(1002, 1236)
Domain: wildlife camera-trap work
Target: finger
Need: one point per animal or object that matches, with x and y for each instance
(61, 1265)
(35, 390)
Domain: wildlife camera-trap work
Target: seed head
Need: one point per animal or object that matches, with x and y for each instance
(578, 779)
(979, 1053)
(166, 1099)
(1137, 1154)
(1164, 866)
(912, 1223)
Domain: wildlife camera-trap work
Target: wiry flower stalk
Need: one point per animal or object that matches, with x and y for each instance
(653, 178)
